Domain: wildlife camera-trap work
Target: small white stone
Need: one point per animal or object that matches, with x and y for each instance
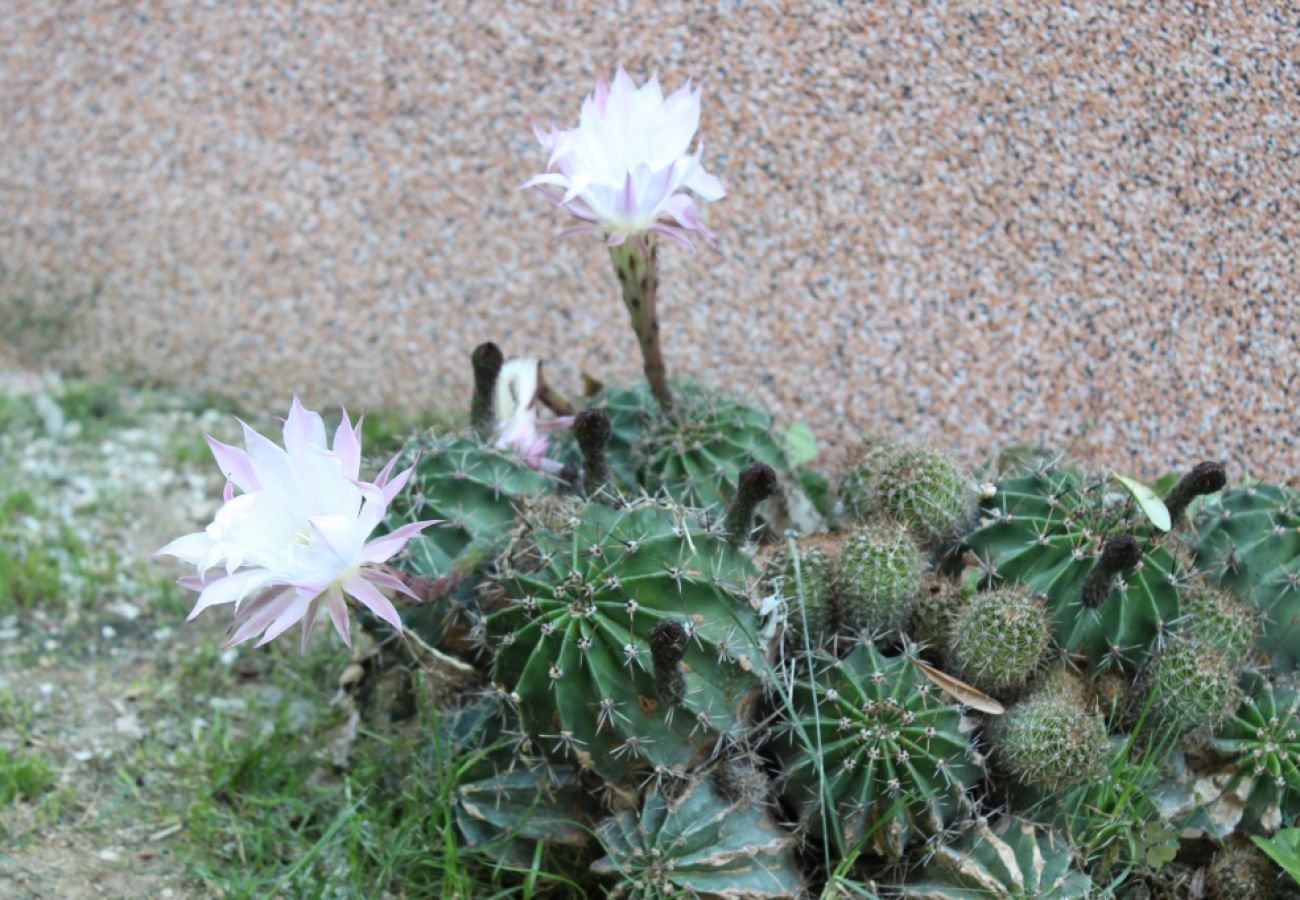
(108, 632)
(228, 657)
(109, 855)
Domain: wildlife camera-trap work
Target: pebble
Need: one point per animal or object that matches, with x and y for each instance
(108, 632)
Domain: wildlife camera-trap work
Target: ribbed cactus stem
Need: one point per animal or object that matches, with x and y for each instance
(1205, 478)
(1120, 553)
(487, 360)
(667, 649)
(592, 429)
(757, 482)
(636, 262)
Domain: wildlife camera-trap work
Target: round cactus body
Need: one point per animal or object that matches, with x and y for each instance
(1011, 859)
(802, 572)
(627, 637)
(937, 605)
(1048, 531)
(696, 456)
(1052, 738)
(875, 753)
(1249, 543)
(998, 638)
(919, 486)
(1215, 616)
(473, 487)
(1242, 872)
(1190, 685)
(1263, 737)
(879, 576)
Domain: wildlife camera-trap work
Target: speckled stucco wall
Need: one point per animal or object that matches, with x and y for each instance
(1068, 223)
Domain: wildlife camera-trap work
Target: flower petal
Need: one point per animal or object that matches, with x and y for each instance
(368, 596)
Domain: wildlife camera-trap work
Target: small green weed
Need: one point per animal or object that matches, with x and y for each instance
(23, 776)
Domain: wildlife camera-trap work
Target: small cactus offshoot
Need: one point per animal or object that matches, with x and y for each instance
(919, 486)
(997, 639)
(1242, 872)
(694, 841)
(1190, 685)
(1009, 860)
(879, 575)
(1052, 738)
(874, 752)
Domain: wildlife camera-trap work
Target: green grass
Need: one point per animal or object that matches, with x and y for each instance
(24, 776)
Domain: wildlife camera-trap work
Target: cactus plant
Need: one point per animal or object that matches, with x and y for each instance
(936, 605)
(696, 455)
(1248, 540)
(693, 841)
(916, 485)
(998, 638)
(802, 573)
(1215, 616)
(627, 635)
(1049, 530)
(1263, 736)
(874, 752)
(1242, 872)
(1009, 860)
(504, 797)
(1189, 685)
(1052, 738)
(879, 575)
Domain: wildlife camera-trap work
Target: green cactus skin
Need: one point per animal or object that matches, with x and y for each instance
(1248, 540)
(475, 488)
(1214, 616)
(1190, 686)
(696, 456)
(919, 486)
(998, 639)
(893, 750)
(1052, 738)
(1242, 872)
(813, 582)
(879, 576)
(698, 843)
(1045, 531)
(1263, 736)
(574, 636)
(505, 798)
(1010, 860)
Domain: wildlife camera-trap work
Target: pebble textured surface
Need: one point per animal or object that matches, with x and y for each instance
(1057, 222)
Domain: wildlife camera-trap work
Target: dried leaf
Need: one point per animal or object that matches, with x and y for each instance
(960, 690)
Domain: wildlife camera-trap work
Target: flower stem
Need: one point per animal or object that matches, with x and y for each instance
(636, 262)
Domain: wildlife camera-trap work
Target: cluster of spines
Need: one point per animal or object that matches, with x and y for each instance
(874, 752)
(919, 486)
(1052, 738)
(998, 638)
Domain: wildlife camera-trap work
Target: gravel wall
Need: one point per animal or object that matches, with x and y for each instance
(1067, 223)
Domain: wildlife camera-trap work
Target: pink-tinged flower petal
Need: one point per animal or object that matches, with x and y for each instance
(382, 478)
(347, 446)
(230, 589)
(190, 548)
(292, 614)
(309, 622)
(254, 618)
(234, 464)
(303, 429)
(388, 582)
(385, 548)
(338, 609)
(368, 596)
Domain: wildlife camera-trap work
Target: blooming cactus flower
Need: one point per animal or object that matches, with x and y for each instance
(295, 539)
(624, 169)
(518, 425)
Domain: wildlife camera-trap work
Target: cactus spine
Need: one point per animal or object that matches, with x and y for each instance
(1052, 738)
(998, 638)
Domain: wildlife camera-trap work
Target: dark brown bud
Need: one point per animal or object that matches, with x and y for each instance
(1205, 478)
(487, 361)
(592, 429)
(1120, 553)
(667, 648)
(757, 483)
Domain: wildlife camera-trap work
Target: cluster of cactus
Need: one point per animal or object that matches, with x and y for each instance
(865, 583)
(638, 634)
(874, 753)
(1111, 587)
(1248, 541)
